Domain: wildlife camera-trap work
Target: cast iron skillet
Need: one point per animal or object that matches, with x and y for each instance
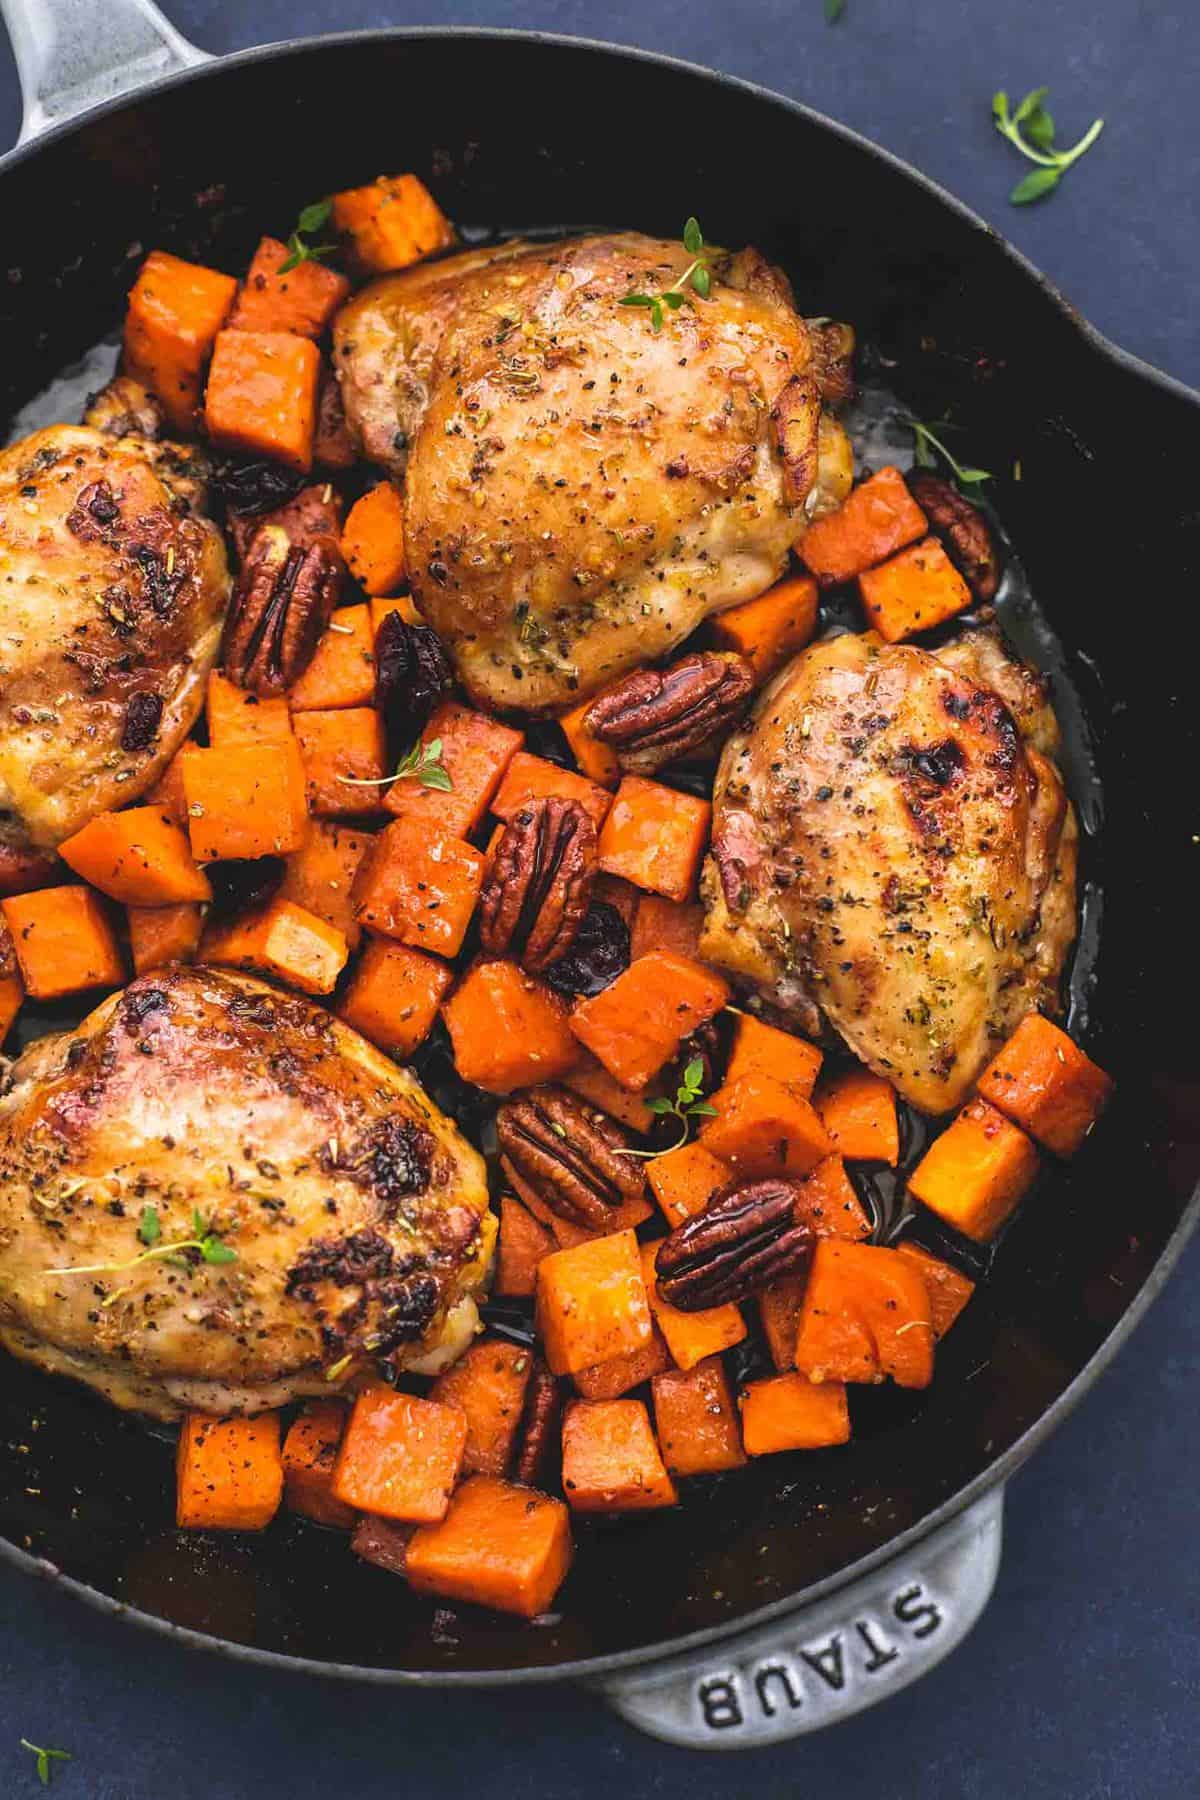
(514, 131)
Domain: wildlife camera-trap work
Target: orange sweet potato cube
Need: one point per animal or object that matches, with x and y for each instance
(769, 630)
(522, 1243)
(597, 760)
(611, 1460)
(394, 995)
(858, 1110)
(400, 1456)
(167, 793)
(309, 1455)
(244, 802)
(476, 751)
(508, 1029)
(345, 760)
(163, 934)
(1045, 1084)
(789, 1412)
(283, 940)
(62, 941)
(139, 856)
(683, 1181)
(487, 1384)
(262, 395)
(342, 671)
(609, 1380)
(592, 1303)
(635, 1026)
(419, 885)
(319, 876)
(228, 1473)
(975, 1173)
(764, 1128)
(391, 222)
(827, 1201)
(760, 1049)
(533, 778)
(865, 1315)
(691, 1336)
(593, 1083)
(949, 1289)
(237, 717)
(655, 837)
(302, 299)
(176, 309)
(878, 518)
(672, 925)
(912, 592)
(373, 540)
(500, 1545)
(696, 1420)
(779, 1315)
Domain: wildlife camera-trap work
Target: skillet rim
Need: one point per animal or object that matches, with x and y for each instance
(997, 1472)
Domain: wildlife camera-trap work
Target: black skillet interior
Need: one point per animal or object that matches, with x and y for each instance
(524, 133)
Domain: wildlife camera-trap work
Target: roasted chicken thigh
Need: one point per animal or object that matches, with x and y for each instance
(113, 588)
(345, 1217)
(894, 853)
(581, 489)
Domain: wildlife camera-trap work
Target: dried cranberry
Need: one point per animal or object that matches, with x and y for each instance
(255, 486)
(599, 954)
(143, 716)
(239, 887)
(412, 672)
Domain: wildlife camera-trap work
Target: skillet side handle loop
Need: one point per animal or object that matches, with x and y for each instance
(74, 54)
(825, 1662)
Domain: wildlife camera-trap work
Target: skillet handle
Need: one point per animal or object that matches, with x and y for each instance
(73, 54)
(828, 1661)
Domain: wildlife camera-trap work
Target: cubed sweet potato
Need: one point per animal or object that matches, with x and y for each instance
(1045, 1084)
(345, 760)
(760, 1049)
(522, 1243)
(262, 395)
(500, 1545)
(163, 934)
(138, 856)
(508, 1029)
(476, 751)
(236, 717)
(167, 793)
(912, 592)
(176, 309)
(789, 1412)
(394, 995)
(769, 630)
(63, 942)
(672, 925)
(858, 1110)
(309, 1455)
(391, 222)
(691, 1336)
(636, 1025)
(764, 1128)
(319, 876)
(597, 760)
(282, 940)
(228, 1473)
(696, 1420)
(592, 1303)
(609, 1380)
(865, 1315)
(878, 518)
(533, 778)
(487, 1384)
(827, 1201)
(419, 885)
(373, 540)
(685, 1180)
(655, 837)
(949, 1289)
(244, 802)
(342, 671)
(975, 1173)
(400, 1456)
(611, 1460)
(593, 1083)
(302, 299)
(779, 1315)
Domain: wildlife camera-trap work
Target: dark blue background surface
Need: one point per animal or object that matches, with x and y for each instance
(1081, 1682)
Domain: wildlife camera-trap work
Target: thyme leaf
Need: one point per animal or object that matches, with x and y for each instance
(697, 278)
(1030, 129)
(928, 447)
(312, 219)
(688, 1104)
(422, 763)
(44, 1757)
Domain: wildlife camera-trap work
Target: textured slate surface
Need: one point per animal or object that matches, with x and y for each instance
(1081, 1681)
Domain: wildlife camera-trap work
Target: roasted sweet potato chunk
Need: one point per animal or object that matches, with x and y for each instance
(1045, 1084)
(508, 1029)
(696, 1420)
(592, 1303)
(500, 1545)
(865, 1315)
(637, 1024)
(611, 1461)
(976, 1172)
(789, 1412)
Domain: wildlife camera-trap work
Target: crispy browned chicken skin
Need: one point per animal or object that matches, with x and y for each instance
(357, 1212)
(893, 851)
(113, 587)
(580, 489)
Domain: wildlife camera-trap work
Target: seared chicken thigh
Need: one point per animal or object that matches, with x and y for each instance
(581, 489)
(893, 853)
(113, 587)
(345, 1216)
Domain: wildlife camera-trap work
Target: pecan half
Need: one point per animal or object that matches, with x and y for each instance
(539, 1424)
(540, 881)
(795, 427)
(282, 605)
(657, 716)
(569, 1155)
(746, 1237)
(966, 533)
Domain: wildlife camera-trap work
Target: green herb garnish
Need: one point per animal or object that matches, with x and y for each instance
(697, 277)
(44, 1757)
(834, 10)
(422, 763)
(928, 448)
(150, 1230)
(689, 1103)
(1031, 129)
(311, 220)
(207, 1244)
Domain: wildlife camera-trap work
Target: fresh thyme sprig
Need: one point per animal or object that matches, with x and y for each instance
(1031, 129)
(688, 1104)
(422, 763)
(311, 220)
(834, 10)
(927, 449)
(697, 277)
(44, 1757)
(207, 1243)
